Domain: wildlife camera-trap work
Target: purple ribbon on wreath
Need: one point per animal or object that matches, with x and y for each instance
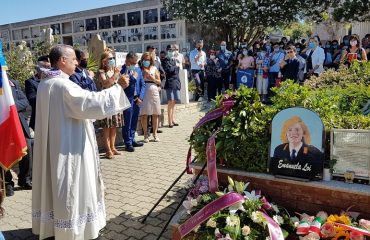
(223, 110)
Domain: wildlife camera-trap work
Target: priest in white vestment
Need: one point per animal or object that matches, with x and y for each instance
(68, 191)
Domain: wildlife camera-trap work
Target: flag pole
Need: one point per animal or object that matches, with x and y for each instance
(3, 179)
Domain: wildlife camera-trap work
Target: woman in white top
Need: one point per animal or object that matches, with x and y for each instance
(151, 103)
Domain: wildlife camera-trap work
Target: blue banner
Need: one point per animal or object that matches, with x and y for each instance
(245, 77)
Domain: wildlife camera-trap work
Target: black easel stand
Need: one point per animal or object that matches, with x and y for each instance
(180, 203)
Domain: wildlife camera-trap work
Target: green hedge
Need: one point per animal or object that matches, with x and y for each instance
(244, 135)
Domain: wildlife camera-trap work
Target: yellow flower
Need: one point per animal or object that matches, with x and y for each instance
(339, 219)
(342, 235)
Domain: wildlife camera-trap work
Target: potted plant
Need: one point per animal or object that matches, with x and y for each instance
(328, 169)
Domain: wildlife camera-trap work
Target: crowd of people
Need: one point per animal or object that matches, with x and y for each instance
(265, 64)
(71, 102)
(147, 77)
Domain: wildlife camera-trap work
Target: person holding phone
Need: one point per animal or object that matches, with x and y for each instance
(198, 62)
(108, 75)
(135, 94)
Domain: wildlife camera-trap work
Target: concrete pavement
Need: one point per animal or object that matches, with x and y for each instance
(134, 182)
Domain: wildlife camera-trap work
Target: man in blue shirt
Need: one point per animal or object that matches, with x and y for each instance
(224, 58)
(82, 77)
(135, 94)
(198, 61)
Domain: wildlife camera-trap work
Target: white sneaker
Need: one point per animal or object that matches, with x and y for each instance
(146, 140)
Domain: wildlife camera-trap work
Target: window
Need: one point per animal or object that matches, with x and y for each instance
(56, 28)
(118, 20)
(134, 18)
(78, 26)
(165, 16)
(150, 16)
(91, 24)
(104, 22)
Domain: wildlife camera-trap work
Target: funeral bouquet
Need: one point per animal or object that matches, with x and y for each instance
(234, 213)
(334, 227)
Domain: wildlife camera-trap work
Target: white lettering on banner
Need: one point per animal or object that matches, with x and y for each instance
(297, 166)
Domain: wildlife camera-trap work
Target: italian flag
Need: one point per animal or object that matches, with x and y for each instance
(12, 142)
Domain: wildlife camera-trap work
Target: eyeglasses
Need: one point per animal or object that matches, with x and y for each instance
(111, 58)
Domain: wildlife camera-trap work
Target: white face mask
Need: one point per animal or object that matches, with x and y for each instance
(245, 53)
(212, 57)
(353, 43)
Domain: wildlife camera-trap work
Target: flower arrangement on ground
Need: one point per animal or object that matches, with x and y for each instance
(253, 217)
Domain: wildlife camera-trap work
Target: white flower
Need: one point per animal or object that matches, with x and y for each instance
(276, 209)
(237, 206)
(232, 220)
(251, 195)
(257, 217)
(295, 221)
(189, 204)
(246, 230)
(211, 223)
(278, 219)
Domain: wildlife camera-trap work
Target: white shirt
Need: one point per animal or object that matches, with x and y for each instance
(296, 149)
(318, 58)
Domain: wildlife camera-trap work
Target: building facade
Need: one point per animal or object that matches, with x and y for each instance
(124, 27)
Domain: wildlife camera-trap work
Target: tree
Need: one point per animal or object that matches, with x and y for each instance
(298, 30)
(20, 62)
(248, 19)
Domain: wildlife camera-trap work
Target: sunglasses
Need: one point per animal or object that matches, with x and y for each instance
(289, 51)
(111, 58)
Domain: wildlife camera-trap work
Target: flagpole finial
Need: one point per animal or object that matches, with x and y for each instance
(3, 66)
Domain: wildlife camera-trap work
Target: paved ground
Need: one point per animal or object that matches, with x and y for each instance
(134, 182)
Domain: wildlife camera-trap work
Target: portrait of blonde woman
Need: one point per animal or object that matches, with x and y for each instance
(295, 137)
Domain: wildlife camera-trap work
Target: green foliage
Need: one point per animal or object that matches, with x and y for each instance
(298, 29)
(20, 63)
(244, 137)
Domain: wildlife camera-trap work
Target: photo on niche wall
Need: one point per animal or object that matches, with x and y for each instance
(297, 144)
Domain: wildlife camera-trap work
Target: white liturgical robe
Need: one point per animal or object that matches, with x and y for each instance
(67, 194)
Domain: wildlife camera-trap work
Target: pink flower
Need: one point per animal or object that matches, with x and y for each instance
(356, 236)
(328, 230)
(365, 224)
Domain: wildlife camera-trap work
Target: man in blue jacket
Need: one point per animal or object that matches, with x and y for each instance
(82, 76)
(135, 94)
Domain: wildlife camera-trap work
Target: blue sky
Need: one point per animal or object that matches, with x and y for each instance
(21, 10)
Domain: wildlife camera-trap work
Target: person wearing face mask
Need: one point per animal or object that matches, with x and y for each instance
(354, 52)
(135, 94)
(262, 69)
(82, 76)
(245, 72)
(346, 40)
(315, 58)
(224, 57)
(172, 85)
(198, 62)
(179, 58)
(108, 75)
(151, 102)
(214, 75)
(276, 57)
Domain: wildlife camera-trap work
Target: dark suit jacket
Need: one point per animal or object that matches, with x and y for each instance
(81, 78)
(21, 103)
(307, 153)
(136, 86)
(172, 74)
(31, 86)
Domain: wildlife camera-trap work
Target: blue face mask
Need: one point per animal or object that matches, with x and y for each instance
(311, 45)
(146, 63)
(170, 54)
(262, 54)
(111, 63)
(268, 48)
(346, 42)
(298, 49)
(223, 47)
(130, 68)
